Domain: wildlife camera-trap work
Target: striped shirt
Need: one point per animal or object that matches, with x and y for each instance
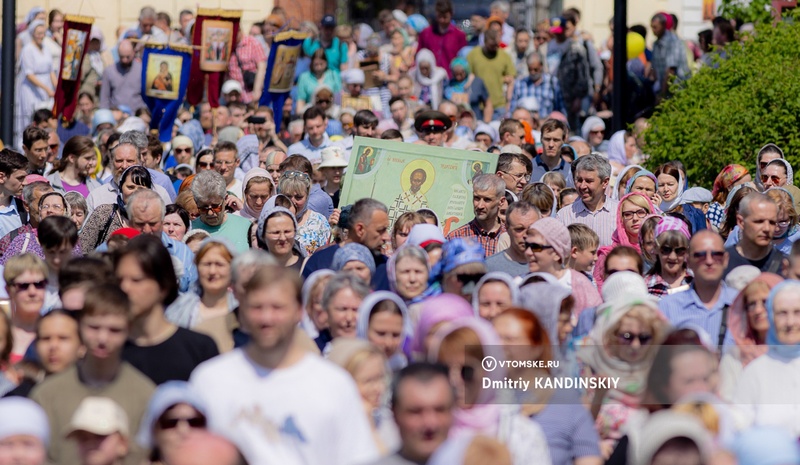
(487, 239)
(547, 93)
(686, 308)
(603, 221)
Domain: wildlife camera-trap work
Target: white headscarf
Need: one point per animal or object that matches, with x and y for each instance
(435, 81)
(669, 206)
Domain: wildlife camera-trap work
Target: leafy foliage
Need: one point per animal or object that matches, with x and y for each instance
(748, 11)
(724, 115)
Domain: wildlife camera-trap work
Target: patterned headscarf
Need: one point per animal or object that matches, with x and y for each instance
(727, 178)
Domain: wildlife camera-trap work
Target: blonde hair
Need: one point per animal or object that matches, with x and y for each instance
(646, 316)
(555, 178)
(640, 201)
(360, 356)
(539, 195)
(784, 202)
(17, 265)
(703, 411)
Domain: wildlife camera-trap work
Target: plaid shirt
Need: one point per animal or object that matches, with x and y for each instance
(488, 240)
(250, 54)
(669, 52)
(548, 93)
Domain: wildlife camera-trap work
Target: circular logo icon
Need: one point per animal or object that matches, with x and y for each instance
(489, 363)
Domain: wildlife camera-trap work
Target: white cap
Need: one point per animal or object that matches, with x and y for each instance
(332, 157)
(230, 86)
(529, 103)
(353, 76)
(511, 148)
(28, 419)
(400, 16)
(99, 415)
(623, 283)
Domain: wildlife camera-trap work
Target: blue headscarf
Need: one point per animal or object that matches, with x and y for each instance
(456, 252)
(638, 175)
(193, 131)
(353, 252)
(776, 347)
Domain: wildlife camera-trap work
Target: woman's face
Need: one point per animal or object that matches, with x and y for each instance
(786, 313)
(128, 188)
(316, 311)
(544, 259)
(143, 291)
(57, 24)
(397, 41)
(319, 65)
(766, 158)
(343, 313)
(648, 243)
(511, 331)
(385, 332)
(673, 258)
(174, 426)
(53, 205)
(667, 187)
(174, 227)
(459, 74)
(214, 271)
(205, 162)
(632, 340)
(632, 217)
(556, 189)
(299, 199)
(359, 269)
(424, 69)
(257, 195)
(30, 298)
(596, 135)
(692, 372)
(401, 237)
(493, 298)
(86, 163)
(370, 379)
(279, 235)
(784, 221)
(565, 326)
(38, 35)
(411, 277)
(22, 449)
(645, 186)
(465, 376)
(755, 300)
(630, 147)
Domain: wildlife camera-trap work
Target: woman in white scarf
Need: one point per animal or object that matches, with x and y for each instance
(430, 79)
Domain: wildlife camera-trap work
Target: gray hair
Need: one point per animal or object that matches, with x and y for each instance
(138, 154)
(147, 12)
(364, 209)
(139, 139)
(30, 190)
(344, 280)
(523, 208)
(501, 5)
(592, 162)
(488, 183)
(142, 198)
(295, 124)
(252, 258)
(755, 198)
(411, 251)
(294, 184)
(534, 56)
(76, 201)
(208, 184)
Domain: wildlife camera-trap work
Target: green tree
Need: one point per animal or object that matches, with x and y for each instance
(724, 115)
(748, 11)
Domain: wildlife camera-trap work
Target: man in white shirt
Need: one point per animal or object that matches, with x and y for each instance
(272, 398)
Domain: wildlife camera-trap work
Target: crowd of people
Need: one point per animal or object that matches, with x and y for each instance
(211, 300)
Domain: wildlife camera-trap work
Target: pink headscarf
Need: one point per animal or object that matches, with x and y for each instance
(484, 416)
(435, 310)
(246, 211)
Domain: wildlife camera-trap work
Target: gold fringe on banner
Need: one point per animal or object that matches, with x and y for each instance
(161, 46)
(233, 14)
(286, 35)
(79, 19)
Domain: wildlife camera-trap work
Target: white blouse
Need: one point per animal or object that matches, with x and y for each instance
(768, 393)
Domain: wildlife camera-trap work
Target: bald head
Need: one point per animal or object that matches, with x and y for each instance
(126, 52)
(204, 448)
(581, 148)
(706, 237)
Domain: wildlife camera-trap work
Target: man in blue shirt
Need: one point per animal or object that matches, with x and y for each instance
(705, 303)
(554, 135)
(315, 121)
(12, 174)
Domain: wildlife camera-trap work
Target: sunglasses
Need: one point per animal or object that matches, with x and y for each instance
(180, 150)
(466, 278)
(205, 164)
(717, 255)
(628, 338)
(53, 146)
(212, 208)
(295, 174)
(667, 250)
(170, 423)
(326, 101)
(641, 213)
(775, 179)
(535, 247)
(597, 132)
(21, 287)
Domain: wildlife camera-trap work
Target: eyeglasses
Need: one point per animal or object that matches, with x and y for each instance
(536, 247)
(224, 162)
(212, 208)
(170, 423)
(295, 174)
(774, 178)
(180, 150)
(667, 250)
(717, 255)
(53, 146)
(628, 338)
(465, 278)
(525, 176)
(52, 207)
(21, 287)
(205, 164)
(640, 213)
(784, 224)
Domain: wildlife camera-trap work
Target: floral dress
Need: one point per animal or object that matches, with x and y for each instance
(313, 233)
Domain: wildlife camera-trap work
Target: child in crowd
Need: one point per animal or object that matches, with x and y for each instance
(584, 249)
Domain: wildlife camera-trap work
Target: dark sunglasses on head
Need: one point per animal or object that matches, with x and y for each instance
(21, 287)
(628, 338)
(535, 247)
(466, 278)
(667, 250)
(170, 423)
(717, 255)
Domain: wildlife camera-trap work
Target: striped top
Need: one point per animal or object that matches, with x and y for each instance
(603, 221)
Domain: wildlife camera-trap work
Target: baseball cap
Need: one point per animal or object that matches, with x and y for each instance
(328, 21)
(231, 86)
(557, 25)
(99, 415)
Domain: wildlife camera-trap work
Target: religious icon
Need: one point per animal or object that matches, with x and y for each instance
(73, 54)
(216, 45)
(163, 75)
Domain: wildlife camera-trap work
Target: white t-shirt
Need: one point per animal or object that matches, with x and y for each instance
(237, 189)
(309, 413)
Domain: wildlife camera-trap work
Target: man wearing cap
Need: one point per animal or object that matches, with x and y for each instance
(182, 152)
(495, 68)
(122, 83)
(443, 38)
(335, 50)
(488, 193)
(431, 126)
(699, 197)
(332, 168)
(478, 23)
(100, 428)
(540, 85)
(231, 91)
(315, 121)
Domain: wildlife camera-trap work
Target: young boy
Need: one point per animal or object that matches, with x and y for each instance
(584, 249)
(103, 325)
(100, 429)
(12, 174)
